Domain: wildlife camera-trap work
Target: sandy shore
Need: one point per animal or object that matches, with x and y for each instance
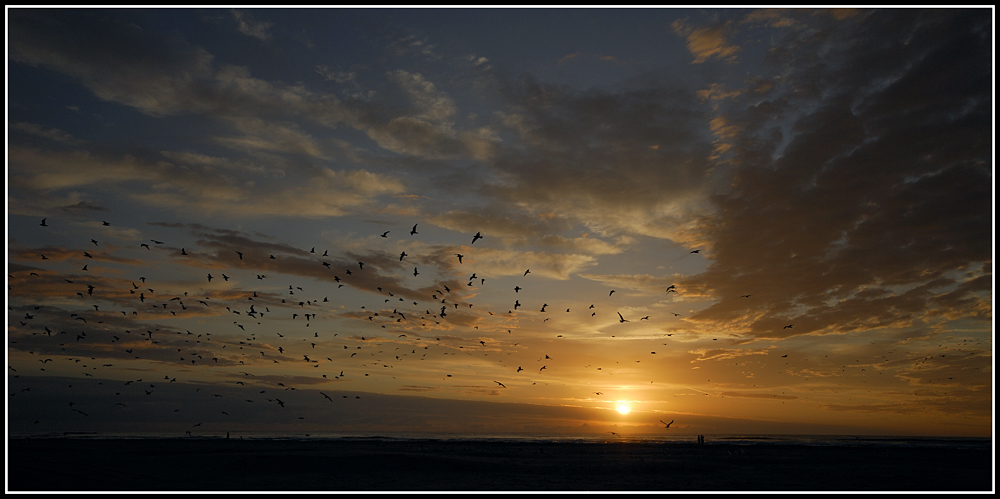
(279, 465)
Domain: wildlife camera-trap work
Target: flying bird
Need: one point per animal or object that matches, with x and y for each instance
(240, 253)
(209, 277)
(526, 272)
(43, 224)
(385, 234)
(667, 424)
(415, 273)
(401, 255)
(459, 255)
(696, 251)
(414, 230)
(622, 319)
(786, 327)
(479, 235)
(611, 293)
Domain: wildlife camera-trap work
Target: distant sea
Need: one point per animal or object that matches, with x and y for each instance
(722, 439)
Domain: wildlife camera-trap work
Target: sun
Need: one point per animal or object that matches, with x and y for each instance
(623, 408)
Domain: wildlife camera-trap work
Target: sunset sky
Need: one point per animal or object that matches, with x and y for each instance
(742, 221)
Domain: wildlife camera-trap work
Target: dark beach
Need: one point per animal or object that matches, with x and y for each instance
(427, 465)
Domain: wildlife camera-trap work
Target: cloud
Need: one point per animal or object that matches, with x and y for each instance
(497, 262)
(706, 42)
(639, 282)
(590, 157)
(51, 134)
(727, 354)
(34, 169)
(855, 217)
(246, 25)
(202, 183)
(759, 395)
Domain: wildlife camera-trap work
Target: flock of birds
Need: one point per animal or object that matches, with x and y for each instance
(231, 352)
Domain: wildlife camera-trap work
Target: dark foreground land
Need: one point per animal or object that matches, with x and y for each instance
(283, 465)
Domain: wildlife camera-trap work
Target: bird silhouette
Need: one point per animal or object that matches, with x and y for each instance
(414, 230)
(459, 255)
(622, 319)
(611, 293)
(696, 251)
(526, 272)
(401, 255)
(386, 233)
(415, 273)
(479, 235)
(667, 424)
(209, 277)
(43, 224)
(240, 253)
(786, 327)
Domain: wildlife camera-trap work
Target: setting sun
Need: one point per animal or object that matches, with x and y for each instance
(623, 408)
